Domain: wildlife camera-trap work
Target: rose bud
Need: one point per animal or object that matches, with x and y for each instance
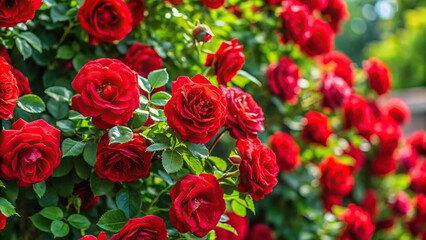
(358, 224)
(286, 151)
(336, 13)
(148, 227)
(401, 204)
(240, 224)
(336, 178)
(9, 91)
(334, 91)
(202, 33)
(378, 75)
(316, 128)
(418, 141)
(13, 12)
(101, 236)
(338, 63)
(397, 109)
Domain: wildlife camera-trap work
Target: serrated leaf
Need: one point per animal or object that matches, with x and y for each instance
(60, 94)
(219, 163)
(79, 221)
(89, 153)
(157, 147)
(99, 185)
(160, 98)
(6, 207)
(23, 47)
(199, 150)
(31, 103)
(250, 77)
(41, 223)
(238, 209)
(59, 228)
(52, 213)
(112, 221)
(157, 114)
(144, 84)
(129, 201)
(120, 134)
(227, 227)
(172, 161)
(71, 147)
(32, 39)
(65, 52)
(82, 169)
(158, 78)
(139, 119)
(40, 189)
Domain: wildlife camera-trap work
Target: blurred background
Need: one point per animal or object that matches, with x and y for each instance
(395, 32)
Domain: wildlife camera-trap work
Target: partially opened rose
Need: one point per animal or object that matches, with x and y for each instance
(316, 128)
(142, 59)
(336, 178)
(378, 75)
(320, 40)
(334, 90)
(13, 12)
(336, 13)
(148, 227)
(341, 65)
(107, 91)
(296, 21)
(418, 141)
(358, 224)
(29, 152)
(286, 151)
(9, 91)
(196, 110)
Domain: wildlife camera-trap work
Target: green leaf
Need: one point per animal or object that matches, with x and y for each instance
(112, 221)
(238, 209)
(160, 98)
(219, 163)
(89, 153)
(139, 119)
(129, 201)
(31, 103)
(11, 190)
(79, 221)
(193, 163)
(65, 52)
(60, 94)
(227, 227)
(41, 223)
(40, 189)
(199, 150)
(1, 184)
(58, 13)
(58, 110)
(52, 213)
(32, 39)
(172, 161)
(99, 185)
(158, 78)
(157, 147)
(71, 147)
(64, 167)
(6, 207)
(79, 60)
(250, 77)
(157, 114)
(120, 134)
(82, 169)
(23, 47)
(59, 228)
(337, 210)
(66, 126)
(144, 84)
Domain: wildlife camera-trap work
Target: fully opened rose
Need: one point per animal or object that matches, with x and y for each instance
(9, 91)
(148, 227)
(108, 92)
(13, 12)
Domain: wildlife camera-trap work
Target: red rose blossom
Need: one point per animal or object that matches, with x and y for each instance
(283, 79)
(296, 21)
(13, 12)
(245, 116)
(334, 90)
(418, 141)
(196, 110)
(22, 82)
(358, 114)
(358, 224)
(9, 91)
(315, 4)
(286, 151)
(408, 158)
(148, 227)
(378, 75)
(105, 20)
(389, 134)
(383, 165)
(4, 54)
(316, 128)
(397, 109)
(338, 63)
(418, 177)
(101, 236)
(197, 204)
(108, 92)
(258, 168)
(336, 178)
(87, 198)
(137, 8)
(240, 224)
(260, 231)
(142, 59)
(369, 204)
(29, 152)
(336, 13)
(3, 220)
(357, 155)
(227, 61)
(320, 40)
(123, 162)
(213, 4)
(401, 204)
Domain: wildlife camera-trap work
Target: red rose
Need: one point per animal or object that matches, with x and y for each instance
(236, 10)
(408, 158)
(358, 224)
(385, 224)
(227, 61)
(418, 177)
(330, 200)
(282, 79)
(175, 2)
(125, 162)
(3, 220)
(320, 40)
(296, 21)
(148, 227)
(417, 224)
(29, 152)
(389, 134)
(9, 91)
(258, 168)
(4, 54)
(202, 33)
(240, 224)
(338, 63)
(357, 155)
(315, 4)
(213, 4)
(101, 236)
(13, 12)
(286, 151)
(316, 128)
(142, 59)
(383, 165)
(369, 204)
(197, 204)
(105, 20)
(401, 204)
(22, 82)
(336, 13)
(336, 178)
(137, 8)
(260, 231)
(245, 117)
(378, 75)
(108, 92)
(197, 109)
(358, 114)
(84, 192)
(334, 90)
(397, 109)
(418, 141)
